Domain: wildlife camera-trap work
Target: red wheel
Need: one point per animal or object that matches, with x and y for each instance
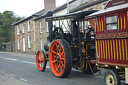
(40, 61)
(60, 58)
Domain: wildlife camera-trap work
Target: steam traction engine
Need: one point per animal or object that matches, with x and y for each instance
(106, 49)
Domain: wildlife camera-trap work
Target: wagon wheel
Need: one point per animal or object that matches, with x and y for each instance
(111, 77)
(58, 33)
(60, 58)
(41, 61)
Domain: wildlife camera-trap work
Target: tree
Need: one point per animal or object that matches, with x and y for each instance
(7, 18)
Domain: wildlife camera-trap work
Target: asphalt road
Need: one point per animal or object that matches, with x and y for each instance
(23, 68)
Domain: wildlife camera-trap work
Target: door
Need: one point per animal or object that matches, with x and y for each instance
(23, 44)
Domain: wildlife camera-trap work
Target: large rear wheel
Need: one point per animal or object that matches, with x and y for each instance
(41, 61)
(60, 58)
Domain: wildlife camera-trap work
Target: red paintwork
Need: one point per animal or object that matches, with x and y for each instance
(111, 48)
(113, 1)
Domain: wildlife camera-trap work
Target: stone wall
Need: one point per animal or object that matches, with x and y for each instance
(25, 35)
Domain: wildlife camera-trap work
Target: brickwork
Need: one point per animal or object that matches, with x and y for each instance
(39, 35)
(25, 35)
(49, 4)
(97, 7)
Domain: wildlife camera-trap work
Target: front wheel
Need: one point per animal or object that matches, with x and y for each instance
(41, 61)
(111, 77)
(60, 58)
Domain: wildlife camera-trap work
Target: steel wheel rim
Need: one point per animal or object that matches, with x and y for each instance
(40, 60)
(57, 58)
(109, 80)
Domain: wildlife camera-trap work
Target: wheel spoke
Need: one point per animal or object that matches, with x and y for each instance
(57, 68)
(40, 55)
(62, 58)
(57, 48)
(54, 52)
(41, 65)
(54, 61)
(41, 60)
(62, 63)
(62, 53)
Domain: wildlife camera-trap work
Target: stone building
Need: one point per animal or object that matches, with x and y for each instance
(26, 32)
(31, 33)
(42, 31)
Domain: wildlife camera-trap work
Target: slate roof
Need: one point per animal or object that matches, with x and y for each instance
(37, 14)
(87, 5)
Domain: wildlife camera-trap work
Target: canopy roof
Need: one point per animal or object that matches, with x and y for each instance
(109, 10)
(78, 15)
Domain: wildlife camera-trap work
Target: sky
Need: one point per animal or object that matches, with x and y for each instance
(25, 7)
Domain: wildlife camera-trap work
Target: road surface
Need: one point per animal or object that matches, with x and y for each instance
(20, 69)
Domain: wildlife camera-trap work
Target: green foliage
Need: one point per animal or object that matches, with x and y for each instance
(7, 18)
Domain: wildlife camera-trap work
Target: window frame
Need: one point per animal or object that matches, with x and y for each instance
(41, 27)
(47, 27)
(29, 41)
(18, 44)
(111, 30)
(41, 43)
(29, 26)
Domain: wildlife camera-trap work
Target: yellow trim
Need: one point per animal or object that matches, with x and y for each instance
(102, 26)
(83, 43)
(99, 48)
(111, 49)
(123, 50)
(106, 48)
(118, 24)
(124, 23)
(117, 50)
(75, 46)
(121, 24)
(126, 49)
(71, 45)
(120, 49)
(114, 50)
(97, 25)
(103, 50)
(96, 50)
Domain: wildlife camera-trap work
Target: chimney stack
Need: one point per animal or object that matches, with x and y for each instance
(49, 4)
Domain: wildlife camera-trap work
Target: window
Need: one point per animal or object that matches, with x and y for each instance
(29, 26)
(41, 28)
(118, 2)
(29, 42)
(111, 23)
(22, 28)
(41, 44)
(18, 44)
(18, 30)
(47, 27)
